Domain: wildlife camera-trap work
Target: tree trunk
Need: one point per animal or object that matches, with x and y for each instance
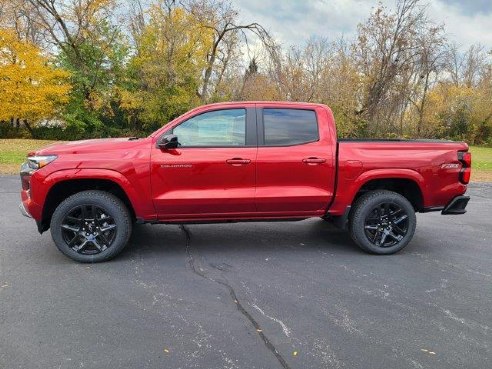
(28, 127)
(422, 106)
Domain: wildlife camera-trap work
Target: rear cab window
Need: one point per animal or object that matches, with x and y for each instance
(288, 127)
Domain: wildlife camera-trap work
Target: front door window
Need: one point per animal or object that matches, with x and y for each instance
(221, 128)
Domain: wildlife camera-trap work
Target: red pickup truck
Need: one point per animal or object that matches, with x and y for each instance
(241, 161)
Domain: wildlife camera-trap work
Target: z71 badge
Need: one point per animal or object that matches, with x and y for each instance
(176, 165)
(450, 166)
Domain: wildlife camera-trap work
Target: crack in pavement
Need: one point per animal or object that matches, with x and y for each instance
(232, 293)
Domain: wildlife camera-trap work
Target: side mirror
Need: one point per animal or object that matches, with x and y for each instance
(168, 142)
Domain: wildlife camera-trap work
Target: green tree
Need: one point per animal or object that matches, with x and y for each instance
(91, 45)
(167, 68)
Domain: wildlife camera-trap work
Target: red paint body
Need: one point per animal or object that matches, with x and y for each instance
(203, 184)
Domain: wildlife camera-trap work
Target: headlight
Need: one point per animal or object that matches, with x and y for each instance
(37, 162)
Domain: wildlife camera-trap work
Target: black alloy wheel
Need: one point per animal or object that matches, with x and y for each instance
(386, 224)
(88, 229)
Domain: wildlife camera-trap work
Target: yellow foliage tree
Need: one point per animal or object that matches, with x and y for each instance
(30, 89)
(457, 111)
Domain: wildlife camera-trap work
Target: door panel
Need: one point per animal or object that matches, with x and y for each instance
(288, 184)
(199, 181)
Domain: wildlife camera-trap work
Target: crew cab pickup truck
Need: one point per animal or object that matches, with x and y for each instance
(241, 161)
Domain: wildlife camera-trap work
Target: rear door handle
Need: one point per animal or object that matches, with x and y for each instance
(313, 161)
(238, 161)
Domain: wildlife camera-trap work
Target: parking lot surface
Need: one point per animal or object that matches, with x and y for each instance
(250, 295)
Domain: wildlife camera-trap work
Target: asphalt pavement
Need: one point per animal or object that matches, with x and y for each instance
(250, 295)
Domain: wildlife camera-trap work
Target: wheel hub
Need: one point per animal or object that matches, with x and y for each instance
(88, 229)
(386, 225)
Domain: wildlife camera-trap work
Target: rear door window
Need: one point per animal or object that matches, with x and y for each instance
(286, 127)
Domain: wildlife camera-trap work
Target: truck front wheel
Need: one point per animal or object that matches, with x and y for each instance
(91, 226)
(382, 222)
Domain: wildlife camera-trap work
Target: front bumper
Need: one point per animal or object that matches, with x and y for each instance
(24, 211)
(456, 206)
(28, 207)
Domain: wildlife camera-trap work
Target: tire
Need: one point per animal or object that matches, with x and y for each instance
(382, 222)
(91, 226)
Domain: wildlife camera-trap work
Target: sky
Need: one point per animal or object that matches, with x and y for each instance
(292, 22)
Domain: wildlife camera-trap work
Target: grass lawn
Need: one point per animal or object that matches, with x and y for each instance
(13, 153)
(481, 164)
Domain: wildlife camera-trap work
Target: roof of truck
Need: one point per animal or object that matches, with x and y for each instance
(268, 102)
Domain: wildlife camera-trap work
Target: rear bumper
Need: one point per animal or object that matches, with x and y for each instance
(456, 206)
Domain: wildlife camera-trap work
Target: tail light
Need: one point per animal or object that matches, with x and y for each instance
(465, 158)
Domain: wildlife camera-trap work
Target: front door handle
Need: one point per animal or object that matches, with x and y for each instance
(238, 161)
(313, 161)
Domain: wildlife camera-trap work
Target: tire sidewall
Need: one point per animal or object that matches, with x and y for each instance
(365, 205)
(110, 204)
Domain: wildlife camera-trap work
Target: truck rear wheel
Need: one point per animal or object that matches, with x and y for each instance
(91, 226)
(382, 222)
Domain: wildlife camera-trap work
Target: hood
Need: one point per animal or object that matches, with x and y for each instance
(89, 146)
